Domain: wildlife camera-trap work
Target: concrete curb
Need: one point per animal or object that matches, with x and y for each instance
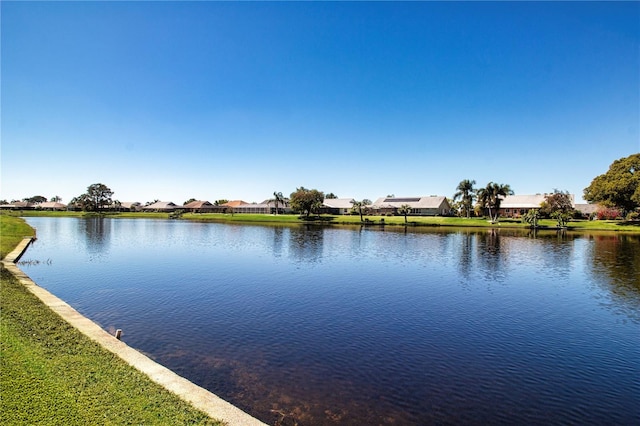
(197, 396)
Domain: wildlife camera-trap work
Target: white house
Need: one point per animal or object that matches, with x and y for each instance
(518, 205)
(161, 206)
(434, 205)
(337, 205)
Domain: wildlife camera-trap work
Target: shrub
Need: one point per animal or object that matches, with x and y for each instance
(608, 214)
(633, 216)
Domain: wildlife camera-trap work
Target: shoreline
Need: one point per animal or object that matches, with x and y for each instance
(198, 397)
(393, 222)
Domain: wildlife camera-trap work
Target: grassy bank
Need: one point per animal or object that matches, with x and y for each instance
(577, 225)
(12, 231)
(53, 374)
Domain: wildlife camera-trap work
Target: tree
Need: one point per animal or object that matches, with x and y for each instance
(277, 199)
(81, 202)
(532, 217)
(55, 199)
(490, 197)
(559, 206)
(404, 210)
(466, 192)
(360, 207)
(619, 187)
(36, 199)
(305, 201)
(330, 196)
(95, 199)
(220, 202)
(190, 200)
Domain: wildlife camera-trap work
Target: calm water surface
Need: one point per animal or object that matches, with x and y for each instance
(324, 326)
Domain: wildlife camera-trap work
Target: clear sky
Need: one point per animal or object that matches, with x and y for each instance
(211, 100)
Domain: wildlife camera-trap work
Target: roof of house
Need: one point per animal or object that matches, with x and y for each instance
(339, 203)
(22, 204)
(197, 204)
(524, 201)
(52, 205)
(161, 205)
(129, 204)
(429, 202)
(271, 203)
(587, 208)
(235, 203)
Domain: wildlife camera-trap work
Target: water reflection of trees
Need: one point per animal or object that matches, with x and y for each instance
(97, 231)
(278, 240)
(306, 243)
(465, 260)
(616, 260)
(492, 259)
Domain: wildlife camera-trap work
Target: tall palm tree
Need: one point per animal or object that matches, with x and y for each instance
(277, 199)
(491, 197)
(357, 206)
(466, 192)
(404, 210)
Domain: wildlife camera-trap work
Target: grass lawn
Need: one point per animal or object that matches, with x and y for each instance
(12, 231)
(578, 225)
(53, 374)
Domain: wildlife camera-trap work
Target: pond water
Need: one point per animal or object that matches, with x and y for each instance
(366, 326)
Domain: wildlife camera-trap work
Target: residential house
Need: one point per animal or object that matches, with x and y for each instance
(283, 207)
(19, 205)
(265, 207)
(161, 206)
(515, 206)
(51, 205)
(434, 205)
(200, 207)
(337, 205)
(130, 206)
(588, 210)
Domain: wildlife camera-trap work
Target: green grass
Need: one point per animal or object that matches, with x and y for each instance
(601, 225)
(51, 374)
(578, 225)
(12, 231)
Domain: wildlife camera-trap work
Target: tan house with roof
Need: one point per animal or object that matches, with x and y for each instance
(265, 207)
(434, 205)
(161, 206)
(518, 205)
(200, 207)
(51, 205)
(337, 205)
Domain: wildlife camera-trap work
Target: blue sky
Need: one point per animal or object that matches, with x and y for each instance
(211, 100)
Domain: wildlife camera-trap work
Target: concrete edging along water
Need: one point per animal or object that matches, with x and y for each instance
(197, 396)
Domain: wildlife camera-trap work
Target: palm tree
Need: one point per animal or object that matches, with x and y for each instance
(277, 199)
(491, 197)
(466, 192)
(404, 210)
(360, 206)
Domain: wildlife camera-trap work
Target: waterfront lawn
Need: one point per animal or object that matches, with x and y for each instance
(12, 231)
(53, 374)
(476, 222)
